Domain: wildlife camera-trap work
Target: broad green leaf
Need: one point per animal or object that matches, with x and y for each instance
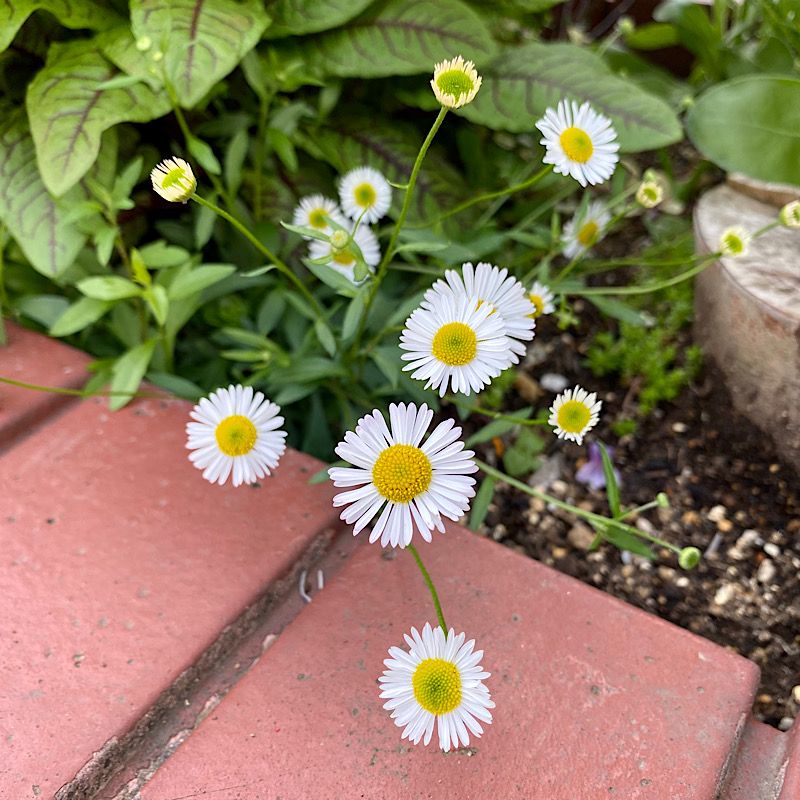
(159, 254)
(401, 37)
(202, 40)
(293, 17)
(70, 13)
(127, 373)
(751, 125)
(108, 287)
(196, 280)
(43, 308)
(119, 47)
(521, 83)
(31, 215)
(79, 315)
(68, 112)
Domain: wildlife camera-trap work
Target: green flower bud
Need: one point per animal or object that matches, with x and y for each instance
(689, 557)
(662, 500)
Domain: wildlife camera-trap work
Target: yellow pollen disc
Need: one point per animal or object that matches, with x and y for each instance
(455, 83)
(365, 195)
(173, 177)
(236, 435)
(587, 235)
(401, 473)
(455, 344)
(573, 416)
(577, 145)
(437, 685)
(318, 218)
(538, 305)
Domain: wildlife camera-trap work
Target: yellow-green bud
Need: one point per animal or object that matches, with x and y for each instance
(662, 500)
(789, 215)
(689, 557)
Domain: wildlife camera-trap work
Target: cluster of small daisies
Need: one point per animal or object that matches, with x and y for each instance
(340, 236)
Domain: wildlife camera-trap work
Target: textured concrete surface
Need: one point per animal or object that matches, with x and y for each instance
(747, 314)
(32, 358)
(594, 698)
(119, 565)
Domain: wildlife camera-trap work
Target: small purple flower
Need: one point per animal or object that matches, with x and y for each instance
(591, 473)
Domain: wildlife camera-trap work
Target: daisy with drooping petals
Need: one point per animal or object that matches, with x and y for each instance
(504, 294)
(789, 215)
(174, 180)
(455, 82)
(235, 432)
(316, 211)
(734, 242)
(573, 413)
(341, 253)
(579, 142)
(585, 229)
(414, 483)
(439, 680)
(365, 191)
(542, 299)
(453, 342)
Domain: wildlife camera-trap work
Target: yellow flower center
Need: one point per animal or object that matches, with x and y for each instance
(455, 83)
(587, 234)
(437, 685)
(401, 473)
(573, 416)
(577, 145)
(455, 344)
(236, 435)
(175, 177)
(538, 305)
(343, 257)
(318, 218)
(365, 195)
(733, 244)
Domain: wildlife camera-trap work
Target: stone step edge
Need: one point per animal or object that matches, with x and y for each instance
(122, 765)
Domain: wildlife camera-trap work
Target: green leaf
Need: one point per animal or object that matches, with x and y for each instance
(34, 219)
(68, 112)
(401, 37)
(497, 427)
(612, 488)
(181, 387)
(751, 125)
(332, 278)
(159, 254)
(70, 13)
(127, 373)
(196, 280)
(108, 287)
(521, 83)
(156, 297)
(522, 457)
(480, 505)
(325, 336)
(140, 273)
(79, 315)
(387, 359)
(618, 309)
(625, 540)
(293, 17)
(43, 308)
(204, 155)
(202, 40)
(353, 315)
(119, 47)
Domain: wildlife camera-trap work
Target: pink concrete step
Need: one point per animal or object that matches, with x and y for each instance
(594, 698)
(119, 566)
(32, 358)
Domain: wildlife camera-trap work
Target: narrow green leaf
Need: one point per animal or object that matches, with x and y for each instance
(108, 287)
(497, 427)
(612, 487)
(79, 315)
(353, 315)
(332, 278)
(127, 373)
(181, 387)
(387, 359)
(619, 309)
(204, 155)
(68, 112)
(157, 300)
(202, 40)
(194, 281)
(522, 82)
(625, 540)
(480, 505)
(325, 336)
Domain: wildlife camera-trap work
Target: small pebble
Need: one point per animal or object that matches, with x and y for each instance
(785, 723)
(772, 549)
(580, 536)
(725, 525)
(559, 552)
(717, 513)
(766, 571)
(682, 582)
(559, 487)
(552, 382)
(724, 594)
(796, 694)
(679, 427)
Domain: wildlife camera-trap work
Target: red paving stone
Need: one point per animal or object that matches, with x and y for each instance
(119, 565)
(33, 358)
(595, 699)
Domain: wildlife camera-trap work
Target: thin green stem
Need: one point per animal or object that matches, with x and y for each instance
(486, 412)
(427, 578)
(597, 519)
(264, 250)
(75, 392)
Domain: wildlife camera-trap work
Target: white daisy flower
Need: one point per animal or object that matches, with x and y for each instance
(454, 342)
(649, 194)
(438, 680)
(235, 432)
(418, 483)
(585, 229)
(789, 215)
(316, 211)
(573, 413)
(455, 82)
(365, 191)
(502, 292)
(580, 142)
(542, 299)
(341, 254)
(174, 180)
(734, 242)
